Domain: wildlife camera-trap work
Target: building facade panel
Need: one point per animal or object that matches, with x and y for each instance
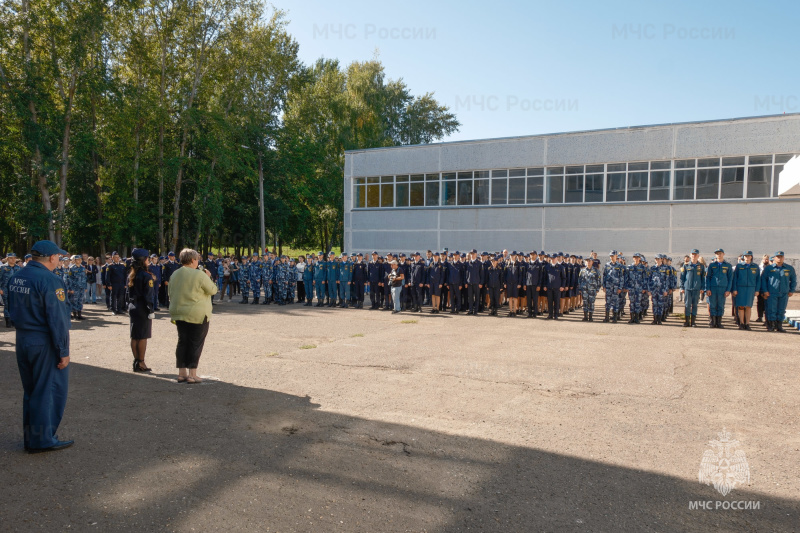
(400, 160)
(493, 154)
(621, 216)
(610, 146)
(738, 137)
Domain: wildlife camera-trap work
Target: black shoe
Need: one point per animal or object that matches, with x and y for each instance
(8, 322)
(615, 317)
(779, 326)
(591, 318)
(687, 323)
(585, 316)
(719, 322)
(80, 315)
(59, 445)
(769, 325)
(254, 302)
(694, 321)
(759, 319)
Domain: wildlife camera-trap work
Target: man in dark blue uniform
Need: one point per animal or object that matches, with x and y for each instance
(156, 270)
(375, 275)
(115, 277)
(169, 267)
(37, 301)
(473, 279)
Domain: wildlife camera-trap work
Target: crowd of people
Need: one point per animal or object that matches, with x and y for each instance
(39, 294)
(529, 284)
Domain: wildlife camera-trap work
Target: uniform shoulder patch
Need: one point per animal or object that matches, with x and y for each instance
(150, 283)
(60, 294)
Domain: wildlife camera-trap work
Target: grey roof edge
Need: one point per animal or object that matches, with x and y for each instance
(579, 132)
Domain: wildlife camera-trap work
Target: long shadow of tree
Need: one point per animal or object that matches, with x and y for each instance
(152, 455)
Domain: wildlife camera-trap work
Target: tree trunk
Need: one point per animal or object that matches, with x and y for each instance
(62, 193)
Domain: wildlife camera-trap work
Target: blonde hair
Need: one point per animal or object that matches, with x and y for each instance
(188, 255)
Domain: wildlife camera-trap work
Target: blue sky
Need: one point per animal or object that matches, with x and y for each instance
(509, 68)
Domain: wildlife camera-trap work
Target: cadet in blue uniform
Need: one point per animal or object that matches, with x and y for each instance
(115, 277)
(6, 272)
(553, 281)
(418, 278)
(455, 281)
(636, 285)
(169, 267)
(434, 279)
(308, 280)
(375, 277)
(746, 286)
(320, 280)
(494, 283)
(613, 284)
(778, 283)
(76, 286)
(256, 273)
(533, 282)
(332, 276)
(589, 283)
(156, 271)
(244, 279)
(345, 281)
(692, 280)
(719, 279)
(359, 280)
(267, 278)
(37, 302)
(473, 278)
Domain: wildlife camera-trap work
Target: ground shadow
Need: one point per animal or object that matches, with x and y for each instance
(154, 455)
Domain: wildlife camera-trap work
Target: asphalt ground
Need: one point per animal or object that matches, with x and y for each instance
(317, 419)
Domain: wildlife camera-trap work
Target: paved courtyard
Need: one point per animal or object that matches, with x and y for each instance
(317, 419)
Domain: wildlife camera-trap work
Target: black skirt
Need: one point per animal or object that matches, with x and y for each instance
(141, 326)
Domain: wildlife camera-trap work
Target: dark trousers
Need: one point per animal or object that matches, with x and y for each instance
(375, 294)
(444, 298)
(473, 297)
(553, 302)
(531, 297)
(117, 298)
(191, 338)
(301, 291)
(387, 295)
(494, 298)
(44, 389)
(358, 291)
(760, 305)
(455, 297)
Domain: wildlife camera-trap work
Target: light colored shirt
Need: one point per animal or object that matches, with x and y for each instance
(190, 294)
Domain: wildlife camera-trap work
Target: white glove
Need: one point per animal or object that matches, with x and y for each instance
(151, 316)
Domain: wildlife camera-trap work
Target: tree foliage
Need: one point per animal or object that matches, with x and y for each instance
(143, 123)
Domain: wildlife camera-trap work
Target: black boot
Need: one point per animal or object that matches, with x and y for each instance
(615, 317)
(694, 321)
(719, 322)
(606, 318)
(80, 315)
(686, 322)
(585, 316)
(8, 322)
(712, 321)
(779, 326)
(591, 318)
(632, 319)
(244, 300)
(255, 300)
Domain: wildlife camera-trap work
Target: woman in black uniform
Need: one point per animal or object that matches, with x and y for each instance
(140, 307)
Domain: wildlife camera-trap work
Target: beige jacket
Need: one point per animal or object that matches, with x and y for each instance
(190, 294)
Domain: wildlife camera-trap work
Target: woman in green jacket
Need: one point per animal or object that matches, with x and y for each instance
(190, 292)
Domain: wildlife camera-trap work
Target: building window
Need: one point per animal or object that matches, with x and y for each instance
(516, 190)
(759, 176)
(481, 187)
(387, 191)
(535, 190)
(637, 182)
(449, 188)
(659, 180)
(593, 184)
(464, 188)
(574, 185)
(401, 191)
(555, 185)
(417, 193)
(615, 183)
(431, 190)
(732, 178)
(373, 192)
(707, 184)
